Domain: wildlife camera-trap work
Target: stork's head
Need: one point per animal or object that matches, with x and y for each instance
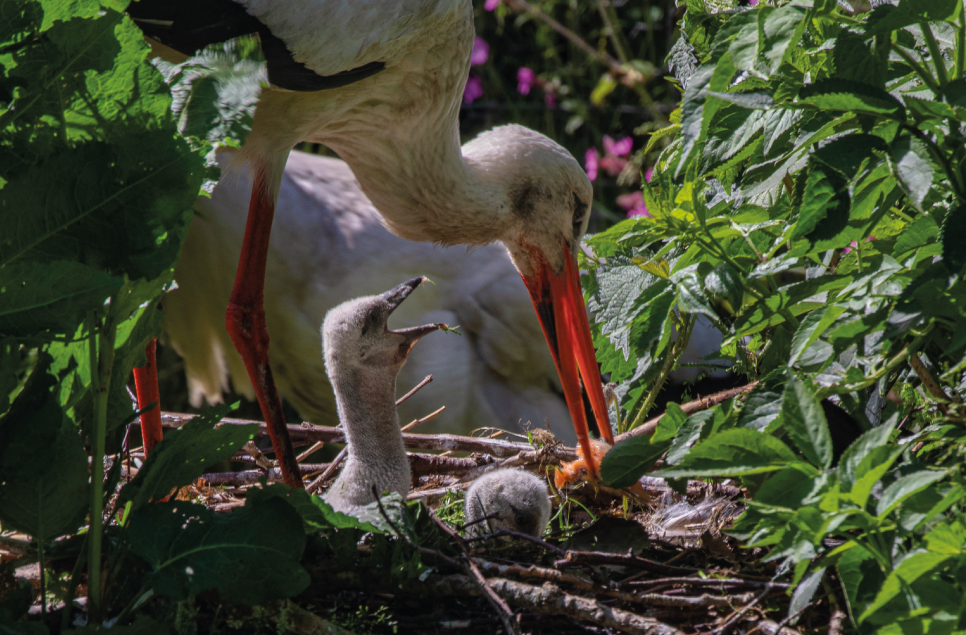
(356, 333)
(547, 197)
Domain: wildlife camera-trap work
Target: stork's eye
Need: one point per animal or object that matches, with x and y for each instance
(581, 210)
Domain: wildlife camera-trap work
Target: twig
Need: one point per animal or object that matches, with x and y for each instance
(314, 486)
(619, 559)
(703, 403)
(511, 624)
(315, 447)
(737, 615)
(250, 477)
(434, 464)
(712, 582)
(415, 389)
(770, 627)
(930, 383)
(256, 454)
(415, 422)
(309, 432)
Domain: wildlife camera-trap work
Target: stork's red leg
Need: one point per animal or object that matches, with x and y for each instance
(245, 321)
(146, 384)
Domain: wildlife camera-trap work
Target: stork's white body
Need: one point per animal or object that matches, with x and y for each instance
(328, 246)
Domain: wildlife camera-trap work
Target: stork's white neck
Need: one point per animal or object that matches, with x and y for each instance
(427, 190)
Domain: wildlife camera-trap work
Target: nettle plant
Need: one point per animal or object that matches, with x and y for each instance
(811, 206)
(102, 155)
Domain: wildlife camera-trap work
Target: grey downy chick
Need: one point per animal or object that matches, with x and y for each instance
(514, 499)
(362, 358)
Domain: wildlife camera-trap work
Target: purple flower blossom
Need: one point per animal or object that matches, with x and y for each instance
(634, 202)
(619, 148)
(490, 5)
(473, 90)
(590, 163)
(525, 80)
(550, 100)
(481, 52)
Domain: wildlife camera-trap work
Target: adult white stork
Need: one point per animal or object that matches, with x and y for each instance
(329, 246)
(380, 82)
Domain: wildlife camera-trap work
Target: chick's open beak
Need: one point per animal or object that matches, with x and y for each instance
(560, 306)
(412, 334)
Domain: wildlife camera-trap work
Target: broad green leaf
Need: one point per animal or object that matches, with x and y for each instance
(250, 556)
(904, 487)
(811, 328)
(43, 466)
(56, 295)
(861, 578)
(946, 538)
(669, 424)
(951, 236)
(761, 408)
(624, 292)
(692, 112)
(921, 508)
(851, 459)
(183, 455)
(909, 161)
(780, 29)
(824, 192)
(734, 452)
(922, 231)
(753, 100)
(888, 18)
(870, 471)
(629, 460)
(909, 570)
(841, 95)
(846, 154)
(805, 591)
(688, 434)
(317, 515)
(806, 424)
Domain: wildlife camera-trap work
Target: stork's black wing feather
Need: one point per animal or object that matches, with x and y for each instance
(189, 25)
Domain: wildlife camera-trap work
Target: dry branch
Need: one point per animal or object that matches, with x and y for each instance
(309, 432)
(703, 403)
(618, 559)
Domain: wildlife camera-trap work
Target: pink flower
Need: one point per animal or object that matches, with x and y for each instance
(490, 5)
(634, 204)
(481, 52)
(751, 3)
(590, 163)
(648, 174)
(473, 90)
(620, 148)
(550, 100)
(854, 244)
(525, 80)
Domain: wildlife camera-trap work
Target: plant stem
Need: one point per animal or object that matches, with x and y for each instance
(43, 581)
(921, 71)
(72, 586)
(961, 42)
(679, 345)
(937, 56)
(103, 352)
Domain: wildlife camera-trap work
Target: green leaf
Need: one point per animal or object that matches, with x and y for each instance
(780, 29)
(57, 295)
(317, 515)
(687, 435)
(848, 96)
(909, 570)
(946, 538)
(250, 556)
(805, 590)
(669, 424)
(761, 407)
(887, 18)
(904, 487)
(629, 460)
(806, 424)
(43, 466)
(811, 328)
(861, 578)
(910, 163)
(823, 191)
(852, 458)
(951, 237)
(183, 455)
(753, 100)
(692, 112)
(734, 452)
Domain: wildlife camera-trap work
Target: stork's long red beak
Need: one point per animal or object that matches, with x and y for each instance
(560, 306)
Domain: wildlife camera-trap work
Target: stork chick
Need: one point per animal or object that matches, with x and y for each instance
(362, 358)
(512, 498)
